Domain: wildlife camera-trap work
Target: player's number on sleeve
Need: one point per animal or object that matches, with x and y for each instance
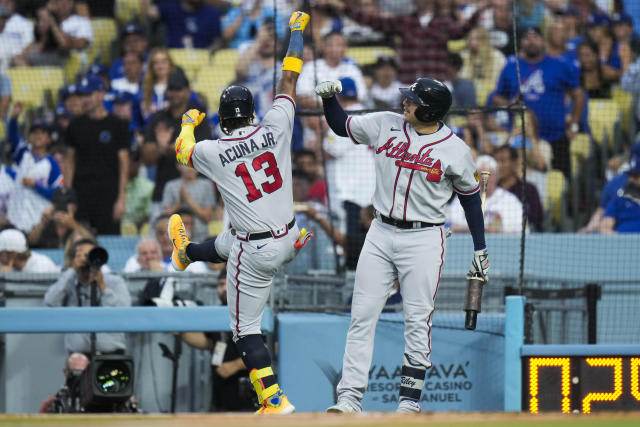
(271, 170)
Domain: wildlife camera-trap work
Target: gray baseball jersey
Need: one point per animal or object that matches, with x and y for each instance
(415, 177)
(252, 169)
(415, 174)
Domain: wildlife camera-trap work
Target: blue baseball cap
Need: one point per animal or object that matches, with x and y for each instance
(571, 11)
(72, 89)
(596, 19)
(123, 97)
(98, 70)
(132, 28)
(622, 18)
(349, 89)
(61, 110)
(39, 123)
(516, 142)
(634, 163)
(90, 84)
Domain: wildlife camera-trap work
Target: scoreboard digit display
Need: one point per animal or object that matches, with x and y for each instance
(585, 383)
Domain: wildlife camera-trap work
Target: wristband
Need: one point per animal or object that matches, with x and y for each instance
(292, 64)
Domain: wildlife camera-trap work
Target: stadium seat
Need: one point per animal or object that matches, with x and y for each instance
(580, 149)
(128, 229)
(29, 84)
(105, 31)
(456, 46)
(225, 57)
(190, 60)
(483, 88)
(212, 80)
(556, 188)
(368, 55)
(623, 99)
(72, 67)
(603, 115)
(127, 10)
(215, 228)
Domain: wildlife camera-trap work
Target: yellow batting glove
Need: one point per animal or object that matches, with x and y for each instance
(192, 118)
(298, 21)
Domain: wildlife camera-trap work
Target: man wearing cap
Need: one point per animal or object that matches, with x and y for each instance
(57, 222)
(611, 190)
(178, 97)
(545, 82)
(38, 174)
(132, 40)
(98, 160)
(622, 214)
(15, 255)
(627, 42)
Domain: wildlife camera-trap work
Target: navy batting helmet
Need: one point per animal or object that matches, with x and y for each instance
(236, 102)
(431, 96)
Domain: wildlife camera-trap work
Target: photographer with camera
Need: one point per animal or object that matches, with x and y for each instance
(73, 289)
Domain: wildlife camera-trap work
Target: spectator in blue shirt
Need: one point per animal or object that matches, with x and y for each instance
(611, 190)
(241, 24)
(622, 214)
(132, 40)
(188, 23)
(599, 32)
(545, 82)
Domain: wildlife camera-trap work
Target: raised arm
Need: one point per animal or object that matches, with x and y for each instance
(292, 63)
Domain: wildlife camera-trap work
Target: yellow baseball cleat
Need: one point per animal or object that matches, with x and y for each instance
(298, 21)
(178, 235)
(276, 404)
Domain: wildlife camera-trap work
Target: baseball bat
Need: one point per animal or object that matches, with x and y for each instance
(473, 297)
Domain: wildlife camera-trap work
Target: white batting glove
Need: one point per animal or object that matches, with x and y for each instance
(328, 89)
(479, 266)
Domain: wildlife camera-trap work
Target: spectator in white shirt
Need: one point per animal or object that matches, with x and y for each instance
(15, 35)
(15, 255)
(57, 32)
(384, 91)
(148, 257)
(502, 210)
(133, 70)
(332, 66)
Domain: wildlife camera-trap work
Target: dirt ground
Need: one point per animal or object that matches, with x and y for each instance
(617, 419)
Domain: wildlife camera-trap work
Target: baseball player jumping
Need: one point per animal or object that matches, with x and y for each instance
(252, 169)
(419, 163)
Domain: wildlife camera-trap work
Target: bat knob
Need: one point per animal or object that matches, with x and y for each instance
(470, 320)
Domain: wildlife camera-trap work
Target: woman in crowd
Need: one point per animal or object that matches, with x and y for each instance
(593, 72)
(481, 63)
(154, 86)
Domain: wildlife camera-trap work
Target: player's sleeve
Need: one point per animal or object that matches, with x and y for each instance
(464, 175)
(365, 129)
(280, 116)
(205, 158)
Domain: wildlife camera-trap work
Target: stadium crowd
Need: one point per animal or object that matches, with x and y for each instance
(92, 153)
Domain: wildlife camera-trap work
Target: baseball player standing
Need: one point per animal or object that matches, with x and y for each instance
(419, 164)
(252, 169)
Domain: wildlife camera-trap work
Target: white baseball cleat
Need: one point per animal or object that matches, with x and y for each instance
(408, 407)
(343, 407)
